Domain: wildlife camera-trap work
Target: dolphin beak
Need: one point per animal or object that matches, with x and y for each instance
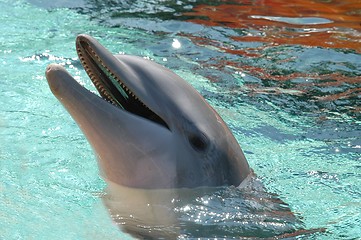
(54, 72)
(113, 132)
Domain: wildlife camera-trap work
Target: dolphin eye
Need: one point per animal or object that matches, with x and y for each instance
(198, 141)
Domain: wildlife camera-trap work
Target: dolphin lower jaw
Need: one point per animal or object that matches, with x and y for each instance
(109, 85)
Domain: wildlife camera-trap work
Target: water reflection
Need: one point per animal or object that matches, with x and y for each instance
(225, 212)
(284, 22)
(176, 44)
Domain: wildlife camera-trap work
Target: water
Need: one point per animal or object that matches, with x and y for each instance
(287, 85)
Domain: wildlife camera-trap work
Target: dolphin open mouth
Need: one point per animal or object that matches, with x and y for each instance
(110, 86)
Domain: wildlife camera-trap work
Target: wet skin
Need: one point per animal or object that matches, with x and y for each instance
(150, 129)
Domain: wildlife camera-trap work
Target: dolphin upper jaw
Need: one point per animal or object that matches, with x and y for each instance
(116, 82)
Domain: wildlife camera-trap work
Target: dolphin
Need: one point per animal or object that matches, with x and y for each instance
(149, 128)
(158, 143)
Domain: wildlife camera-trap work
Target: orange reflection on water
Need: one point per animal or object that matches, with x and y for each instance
(312, 23)
(331, 24)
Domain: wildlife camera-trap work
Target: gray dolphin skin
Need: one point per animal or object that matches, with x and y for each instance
(150, 129)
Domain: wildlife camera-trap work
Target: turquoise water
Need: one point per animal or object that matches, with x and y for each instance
(303, 145)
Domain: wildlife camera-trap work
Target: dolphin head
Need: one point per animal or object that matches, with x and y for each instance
(149, 128)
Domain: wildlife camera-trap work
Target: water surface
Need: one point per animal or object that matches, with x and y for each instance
(286, 78)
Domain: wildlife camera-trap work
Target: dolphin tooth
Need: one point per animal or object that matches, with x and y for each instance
(96, 55)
